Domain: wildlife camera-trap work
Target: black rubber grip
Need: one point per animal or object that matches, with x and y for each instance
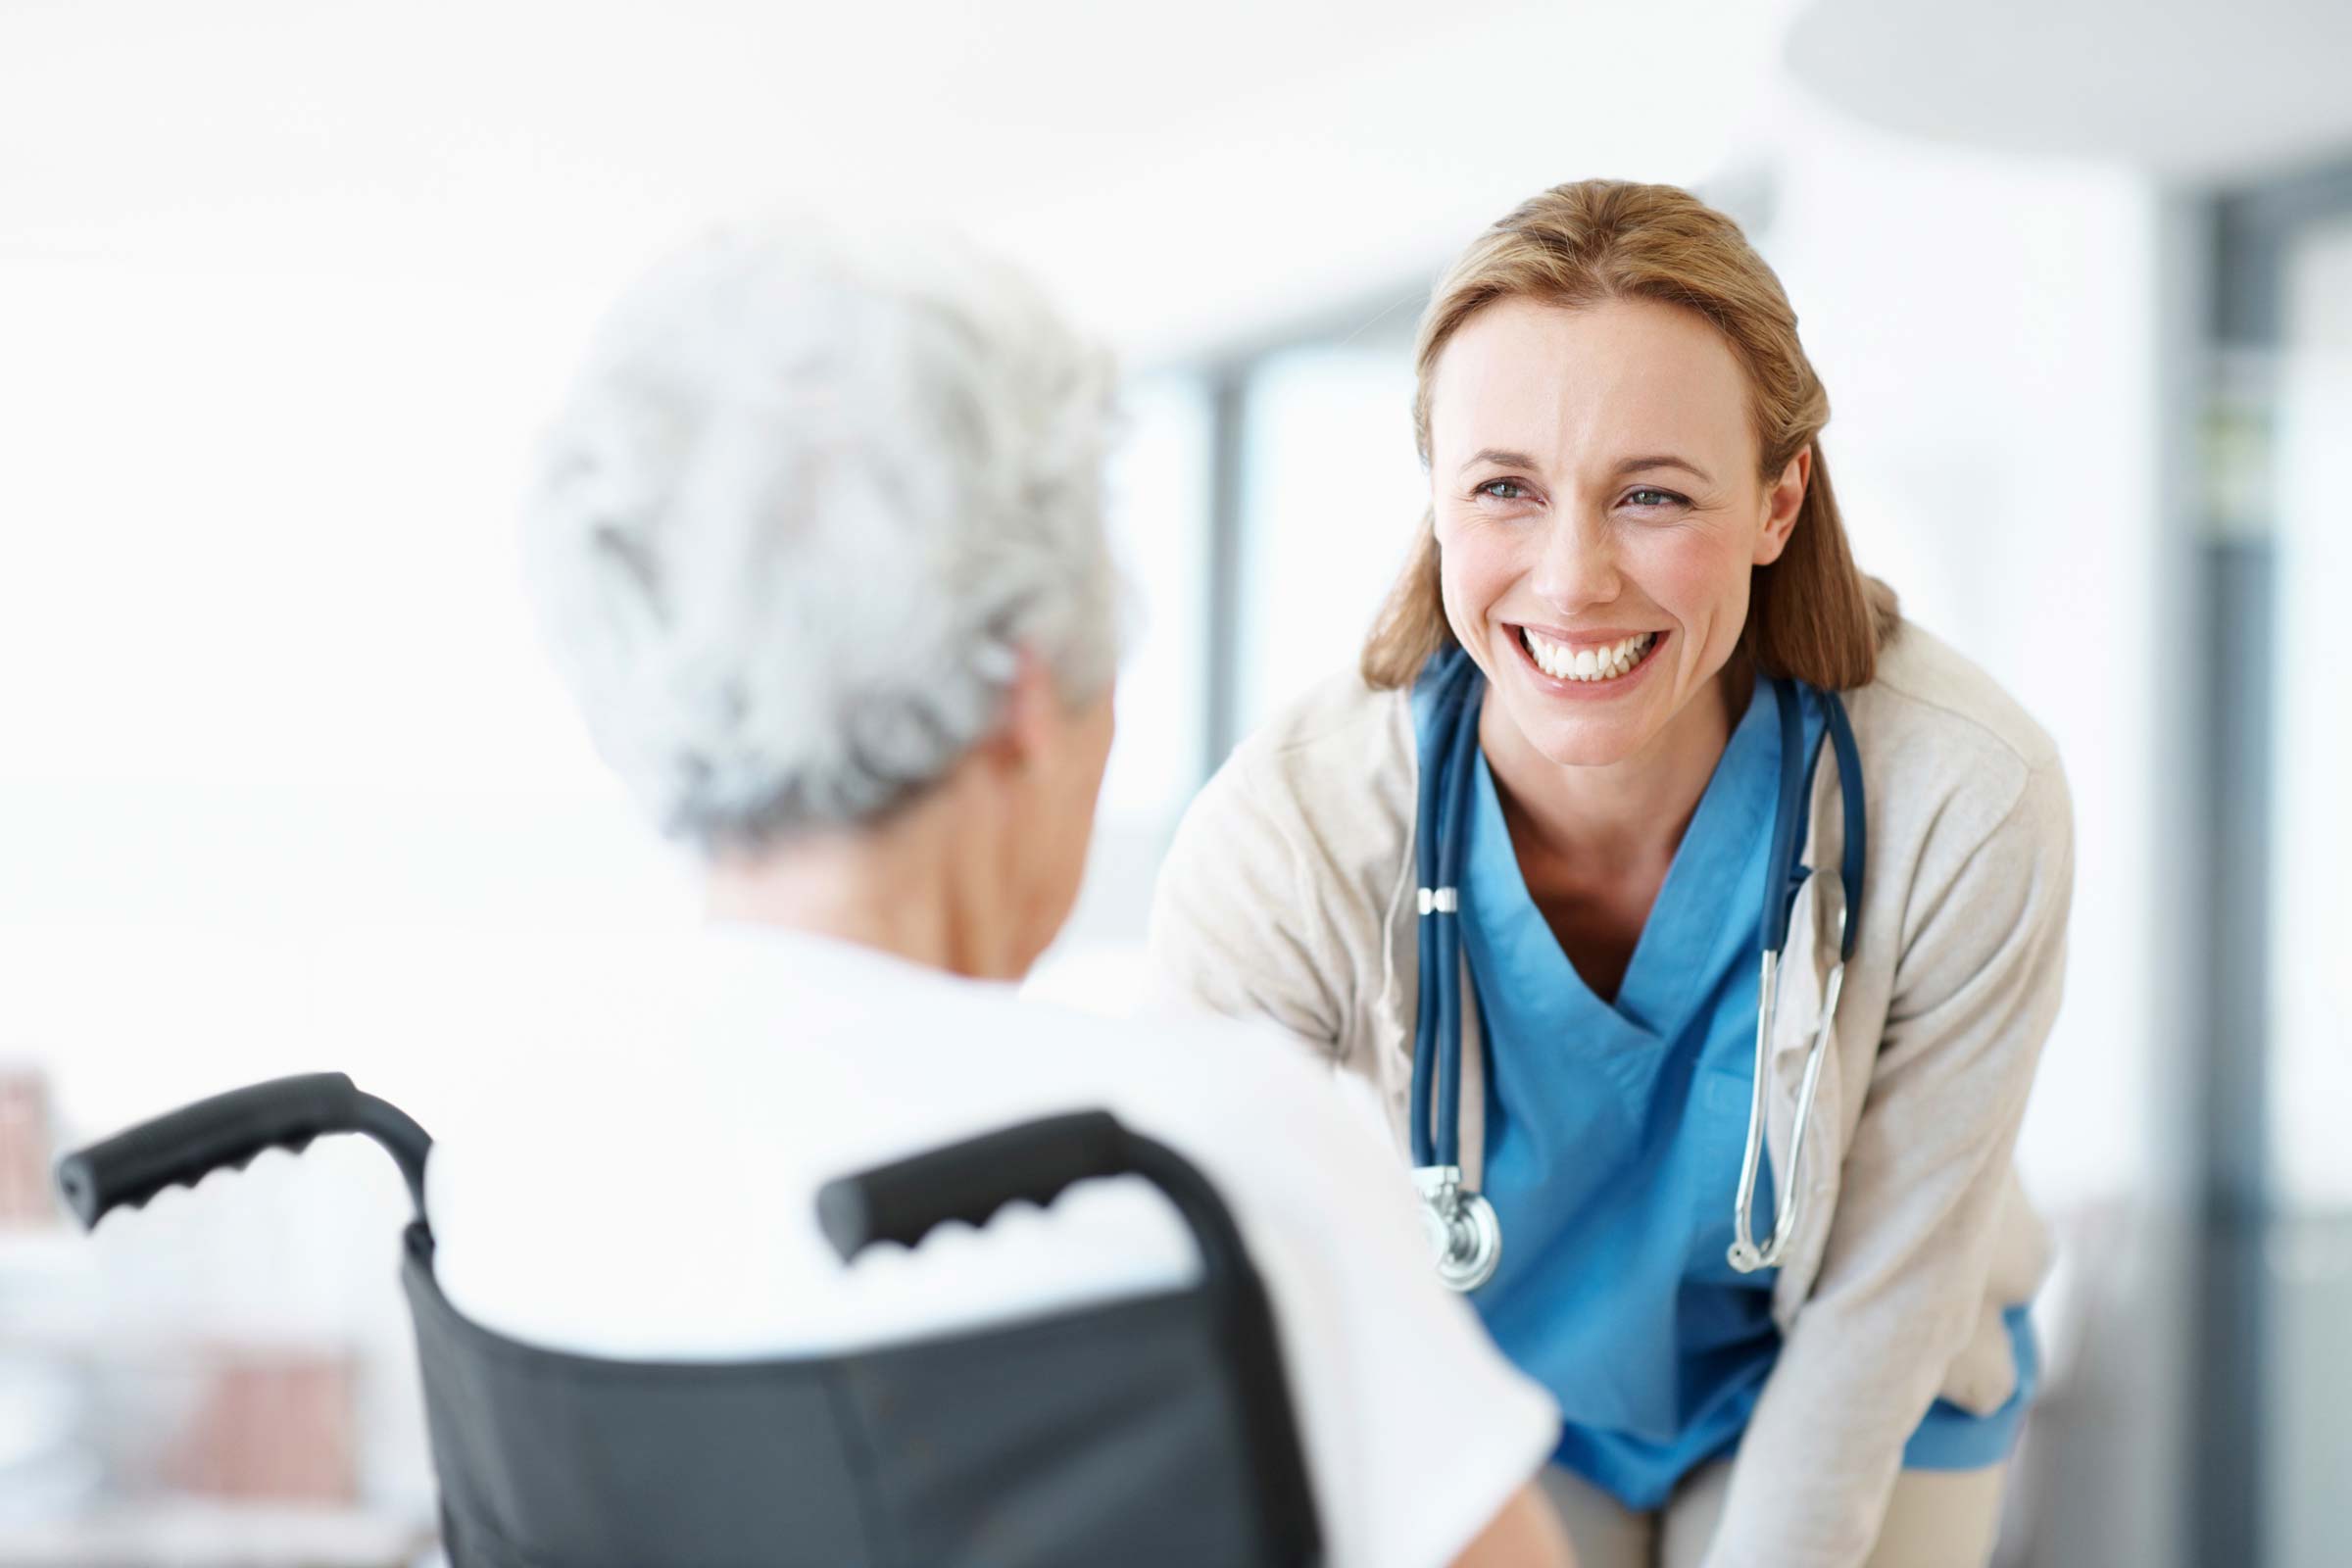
(971, 1180)
(184, 1146)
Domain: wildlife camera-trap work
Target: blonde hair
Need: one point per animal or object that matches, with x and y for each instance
(1812, 614)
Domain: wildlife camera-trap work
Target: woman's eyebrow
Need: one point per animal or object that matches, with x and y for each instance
(1504, 457)
(1664, 461)
(1500, 459)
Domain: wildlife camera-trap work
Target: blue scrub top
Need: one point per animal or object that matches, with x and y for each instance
(1613, 1142)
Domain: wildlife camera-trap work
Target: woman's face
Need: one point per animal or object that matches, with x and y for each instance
(1593, 477)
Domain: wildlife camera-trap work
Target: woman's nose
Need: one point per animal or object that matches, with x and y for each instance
(1579, 565)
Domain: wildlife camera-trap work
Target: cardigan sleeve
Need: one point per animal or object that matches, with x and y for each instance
(1235, 927)
(1910, 1250)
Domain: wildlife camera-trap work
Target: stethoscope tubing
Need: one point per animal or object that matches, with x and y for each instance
(1441, 825)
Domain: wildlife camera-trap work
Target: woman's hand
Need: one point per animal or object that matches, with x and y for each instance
(1526, 1534)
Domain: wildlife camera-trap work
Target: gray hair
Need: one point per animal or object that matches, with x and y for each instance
(809, 497)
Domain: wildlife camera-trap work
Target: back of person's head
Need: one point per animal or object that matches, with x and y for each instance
(812, 497)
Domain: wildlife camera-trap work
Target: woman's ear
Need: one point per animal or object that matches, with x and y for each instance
(1782, 503)
(1032, 720)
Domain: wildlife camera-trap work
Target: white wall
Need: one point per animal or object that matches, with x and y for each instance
(1987, 328)
(269, 679)
(1999, 337)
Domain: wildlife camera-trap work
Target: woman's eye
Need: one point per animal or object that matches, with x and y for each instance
(1653, 499)
(1504, 489)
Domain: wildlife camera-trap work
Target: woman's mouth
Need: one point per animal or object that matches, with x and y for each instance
(1588, 663)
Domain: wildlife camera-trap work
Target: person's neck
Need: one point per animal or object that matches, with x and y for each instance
(902, 886)
(1626, 815)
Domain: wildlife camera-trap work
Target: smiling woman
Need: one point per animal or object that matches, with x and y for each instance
(1629, 626)
(1543, 535)
(1812, 614)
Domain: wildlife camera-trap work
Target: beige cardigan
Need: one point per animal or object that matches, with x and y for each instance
(1288, 892)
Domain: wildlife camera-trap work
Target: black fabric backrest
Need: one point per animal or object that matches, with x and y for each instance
(1112, 1436)
(1157, 1430)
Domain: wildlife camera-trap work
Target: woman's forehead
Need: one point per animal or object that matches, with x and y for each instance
(1564, 382)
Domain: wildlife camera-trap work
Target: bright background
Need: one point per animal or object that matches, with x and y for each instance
(285, 783)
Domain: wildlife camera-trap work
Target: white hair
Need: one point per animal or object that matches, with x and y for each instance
(809, 497)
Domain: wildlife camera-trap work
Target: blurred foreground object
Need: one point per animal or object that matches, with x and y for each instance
(276, 1425)
(25, 1201)
(188, 1534)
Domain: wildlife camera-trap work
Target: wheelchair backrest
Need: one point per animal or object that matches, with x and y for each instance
(1154, 1430)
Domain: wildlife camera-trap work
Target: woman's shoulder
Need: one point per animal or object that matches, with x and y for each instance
(1276, 895)
(1334, 763)
(1948, 751)
(1927, 690)
(1323, 726)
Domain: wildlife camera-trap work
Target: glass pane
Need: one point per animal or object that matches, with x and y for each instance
(2310, 916)
(2308, 1426)
(1158, 504)
(1332, 491)
(1158, 514)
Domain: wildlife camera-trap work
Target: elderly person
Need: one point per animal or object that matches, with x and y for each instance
(1772, 1260)
(819, 547)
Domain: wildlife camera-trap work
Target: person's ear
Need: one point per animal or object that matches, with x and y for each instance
(1031, 720)
(1782, 503)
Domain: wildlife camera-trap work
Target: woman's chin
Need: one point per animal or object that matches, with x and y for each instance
(1577, 740)
(1576, 732)
(1586, 749)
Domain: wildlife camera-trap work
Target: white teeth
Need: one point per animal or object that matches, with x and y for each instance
(1562, 663)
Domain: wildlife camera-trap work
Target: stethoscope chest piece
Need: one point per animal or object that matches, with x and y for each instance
(1465, 1240)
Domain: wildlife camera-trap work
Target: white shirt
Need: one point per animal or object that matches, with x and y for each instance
(649, 1195)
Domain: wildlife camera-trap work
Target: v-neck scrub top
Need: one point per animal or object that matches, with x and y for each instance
(1614, 1136)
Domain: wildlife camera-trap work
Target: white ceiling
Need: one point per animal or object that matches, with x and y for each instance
(1183, 176)
(1180, 173)
(2194, 90)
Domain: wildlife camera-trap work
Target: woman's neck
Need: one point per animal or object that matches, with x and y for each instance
(903, 887)
(1626, 816)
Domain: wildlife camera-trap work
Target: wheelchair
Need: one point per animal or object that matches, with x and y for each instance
(1154, 1430)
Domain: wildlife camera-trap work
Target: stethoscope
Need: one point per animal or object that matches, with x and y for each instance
(1465, 1236)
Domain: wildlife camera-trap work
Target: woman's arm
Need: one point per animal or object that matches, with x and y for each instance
(1526, 1534)
(1903, 1278)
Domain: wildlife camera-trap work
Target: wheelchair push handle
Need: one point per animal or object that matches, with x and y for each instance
(1034, 1162)
(970, 1180)
(182, 1148)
